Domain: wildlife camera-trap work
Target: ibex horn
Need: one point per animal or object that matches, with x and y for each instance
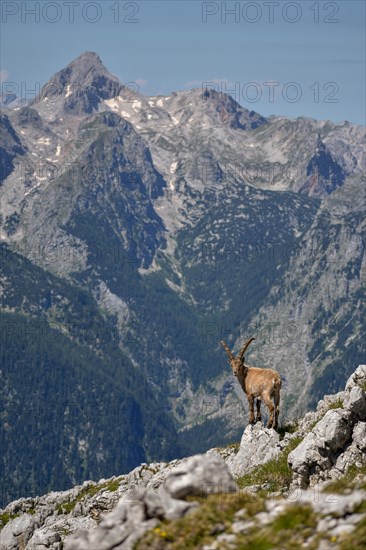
(244, 348)
(226, 348)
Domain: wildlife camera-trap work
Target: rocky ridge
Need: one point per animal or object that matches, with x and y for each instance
(144, 508)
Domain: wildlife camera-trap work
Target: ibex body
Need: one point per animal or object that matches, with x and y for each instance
(260, 384)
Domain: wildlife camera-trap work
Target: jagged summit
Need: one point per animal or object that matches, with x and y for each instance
(231, 112)
(85, 65)
(220, 106)
(80, 87)
(91, 57)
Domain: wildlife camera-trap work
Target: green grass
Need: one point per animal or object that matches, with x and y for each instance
(289, 530)
(257, 541)
(294, 517)
(67, 507)
(276, 473)
(355, 540)
(347, 482)
(198, 527)
(336, 405)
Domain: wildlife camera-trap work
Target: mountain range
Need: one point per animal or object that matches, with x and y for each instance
(137, 232)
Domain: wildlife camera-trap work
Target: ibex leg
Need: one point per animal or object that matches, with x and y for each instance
(277, 408)
(259, 414)
(268, 401)
(251, 409)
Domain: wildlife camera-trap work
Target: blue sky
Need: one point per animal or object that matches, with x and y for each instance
(303, 58)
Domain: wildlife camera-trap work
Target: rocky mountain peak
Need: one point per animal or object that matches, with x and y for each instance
(80, 87)
(86, 65)
(88, 57)
(229, 111)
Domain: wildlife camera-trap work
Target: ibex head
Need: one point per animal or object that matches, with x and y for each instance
(237, 363)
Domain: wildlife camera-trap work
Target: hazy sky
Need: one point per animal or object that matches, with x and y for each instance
(304, 58)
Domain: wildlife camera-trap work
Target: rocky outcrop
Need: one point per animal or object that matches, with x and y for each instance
(324, 174)
(10, 147)
(338, 438)
(199, 475)
(118, 512)
(258, 445)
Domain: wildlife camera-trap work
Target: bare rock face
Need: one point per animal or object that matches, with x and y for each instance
(359, 436)
(258, 445)
(358, 378)
(200, 477)
(355, 402)
(17, 533)
(333, 431)
(313, 455)
(338, 438)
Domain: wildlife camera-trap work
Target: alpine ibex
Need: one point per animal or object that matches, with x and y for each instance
(260, 384)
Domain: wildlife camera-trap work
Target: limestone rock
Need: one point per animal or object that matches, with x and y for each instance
(161, 505)
(333, 430)
(258, 445)
(359, 436)
(316, 453)
(45, 537)
(336, 505)
(312, 417)
(17, 532)
(355, 401)
(140, 510)
(337, 440)
(95, 516)
(358, 378)
(200, 475)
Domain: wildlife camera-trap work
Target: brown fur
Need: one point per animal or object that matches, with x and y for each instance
(261, 384)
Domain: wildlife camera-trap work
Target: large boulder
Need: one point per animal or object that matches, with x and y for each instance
(315, 455)
(333, 430)
(359, 436)
(355, 402)
(306, 459)
(258, 445)
(338, 438)
(200, 475)
(312, 417)
(17, 532)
